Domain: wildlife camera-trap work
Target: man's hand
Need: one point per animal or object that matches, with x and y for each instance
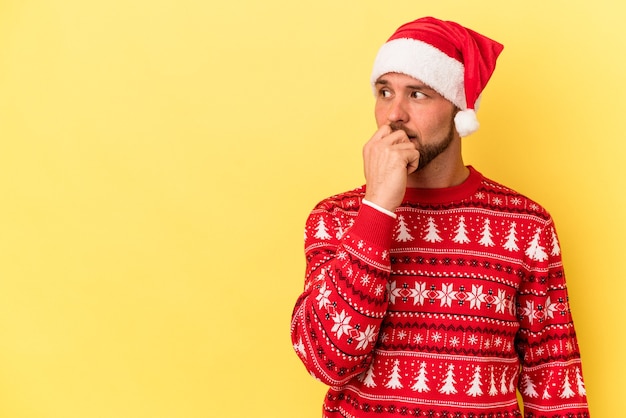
(388, 158)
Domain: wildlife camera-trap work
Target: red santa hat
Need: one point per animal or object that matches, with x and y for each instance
(455, 61)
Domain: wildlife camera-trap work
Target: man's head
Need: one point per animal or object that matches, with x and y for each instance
(407, 104)
(454, 61)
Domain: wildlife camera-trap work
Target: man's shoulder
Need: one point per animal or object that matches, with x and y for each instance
(349, 200)
(498, 195)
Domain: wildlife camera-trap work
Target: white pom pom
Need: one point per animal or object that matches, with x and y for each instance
(466, 122)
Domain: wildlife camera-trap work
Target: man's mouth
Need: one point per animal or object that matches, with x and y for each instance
(412, 136)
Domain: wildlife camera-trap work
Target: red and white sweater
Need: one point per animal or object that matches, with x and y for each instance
(443, 311)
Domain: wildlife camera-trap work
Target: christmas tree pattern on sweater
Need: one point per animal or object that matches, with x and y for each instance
(446, 310)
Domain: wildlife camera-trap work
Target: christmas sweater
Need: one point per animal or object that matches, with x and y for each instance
(444, 311)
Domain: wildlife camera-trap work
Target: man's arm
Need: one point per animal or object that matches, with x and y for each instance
(551, 381)
(337, 318)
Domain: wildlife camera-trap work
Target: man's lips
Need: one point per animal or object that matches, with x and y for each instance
(412, 138)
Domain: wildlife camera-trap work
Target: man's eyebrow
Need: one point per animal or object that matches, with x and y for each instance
(420, 86)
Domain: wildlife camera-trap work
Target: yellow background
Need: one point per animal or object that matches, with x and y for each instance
(158, 160)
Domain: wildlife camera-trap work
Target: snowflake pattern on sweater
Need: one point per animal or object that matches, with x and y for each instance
(445, 311)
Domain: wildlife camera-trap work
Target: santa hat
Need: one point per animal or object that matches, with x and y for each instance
(455, 61)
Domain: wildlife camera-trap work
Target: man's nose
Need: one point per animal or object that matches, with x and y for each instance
(397, 111)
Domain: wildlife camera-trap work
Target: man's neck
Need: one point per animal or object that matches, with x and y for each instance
(447, 170)
(439, 175)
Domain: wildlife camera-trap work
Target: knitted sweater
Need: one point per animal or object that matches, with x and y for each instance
(443, 311)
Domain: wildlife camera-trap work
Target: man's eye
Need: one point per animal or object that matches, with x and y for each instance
(384, 93)
(417, 95)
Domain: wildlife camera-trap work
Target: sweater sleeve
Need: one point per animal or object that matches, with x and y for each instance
(336, 320)
(551, 381)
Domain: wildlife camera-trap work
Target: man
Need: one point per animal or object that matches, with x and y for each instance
(433, 291)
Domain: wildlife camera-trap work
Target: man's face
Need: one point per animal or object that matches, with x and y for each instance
(406, 103)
